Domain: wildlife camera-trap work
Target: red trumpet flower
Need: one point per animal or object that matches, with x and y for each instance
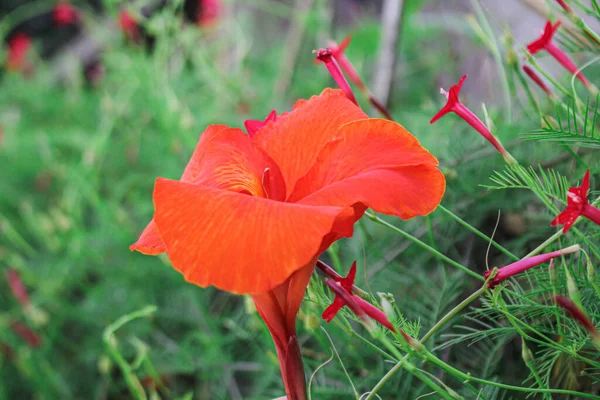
(356, 304)
(525, 264)
(579, 316)
(326, 56)
(577, 205)
(337, 51)
(252, 215)
(545, 43)
(454, 105)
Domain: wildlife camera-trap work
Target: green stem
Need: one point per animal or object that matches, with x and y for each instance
(478, 232)
(439, 255)
(536, 375)
(109, 339)
(554, 82)
(468, 377)
(527, 89)
(596, 7)
(410, 367)
(453, 312)
(545, 244)
(425, 338)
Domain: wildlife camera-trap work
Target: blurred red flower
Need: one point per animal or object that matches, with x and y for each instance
(65, 14)
(18, 46)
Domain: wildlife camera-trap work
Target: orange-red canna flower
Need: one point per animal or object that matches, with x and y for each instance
(254, 125)
(252, 215)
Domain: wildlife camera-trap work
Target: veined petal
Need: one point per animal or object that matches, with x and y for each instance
(149, 242)
(238, 243)
(295, 139)
(378, 164)
(225, 158)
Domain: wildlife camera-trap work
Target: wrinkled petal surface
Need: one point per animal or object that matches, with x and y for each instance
(296, 138)
(238, 243)
(225, 158)
(378, 164)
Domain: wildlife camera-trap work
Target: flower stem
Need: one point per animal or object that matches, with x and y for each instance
(468, 377)
(439, 255)
(426, 337)
(478, 232)
(453, 312)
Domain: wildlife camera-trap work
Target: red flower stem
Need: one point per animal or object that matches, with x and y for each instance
(375, 313)
(535, 77)
(380, 107)
(291, 366)
(29, 336)
(577, 314)
(592, 213)
(566, 62)
(462, 111)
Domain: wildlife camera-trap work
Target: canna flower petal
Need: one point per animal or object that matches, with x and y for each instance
(254, 125)
(296, 138)
(225, 158)
(214, 251)
(374, 163)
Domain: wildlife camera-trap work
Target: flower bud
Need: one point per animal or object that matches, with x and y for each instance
(552, 272)
(526, 354)
(104, 365)
(591, 271)
(249, 305)
(387, 302)
(311, 322)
